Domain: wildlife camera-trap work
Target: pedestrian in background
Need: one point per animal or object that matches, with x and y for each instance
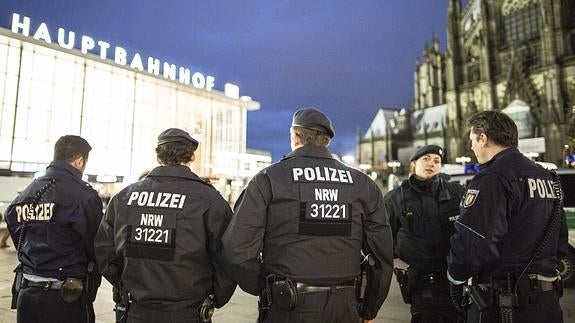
(299, 229)
(422, 212)
(53, 223)
(159, 241)
(5, 235)
(511, 232)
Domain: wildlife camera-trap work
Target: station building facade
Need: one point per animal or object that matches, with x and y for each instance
(118, 105)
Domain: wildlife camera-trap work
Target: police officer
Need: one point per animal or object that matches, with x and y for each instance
(510, 232)
(422, 211)
(159, 240)
(53, 223)
(310, 217)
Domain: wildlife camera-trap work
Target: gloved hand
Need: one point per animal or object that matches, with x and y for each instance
(456, 294)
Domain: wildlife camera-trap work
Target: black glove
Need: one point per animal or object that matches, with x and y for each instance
(456, 294)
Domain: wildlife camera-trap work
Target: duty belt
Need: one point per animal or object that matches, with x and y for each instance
(43, 284)
(536, 285)
(305, 288)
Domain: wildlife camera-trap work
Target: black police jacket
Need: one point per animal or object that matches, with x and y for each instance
(160, 237)
(422, 216)
(60, 226)
(504, 214)
(310, 216)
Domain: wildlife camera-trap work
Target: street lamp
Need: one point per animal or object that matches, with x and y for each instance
(393, 164)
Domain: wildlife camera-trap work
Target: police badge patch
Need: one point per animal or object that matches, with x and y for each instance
(470, 197)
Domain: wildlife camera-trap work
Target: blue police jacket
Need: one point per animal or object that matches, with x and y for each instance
(504, 215)
(60, 226)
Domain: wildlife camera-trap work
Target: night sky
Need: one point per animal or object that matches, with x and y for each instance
(346, 58)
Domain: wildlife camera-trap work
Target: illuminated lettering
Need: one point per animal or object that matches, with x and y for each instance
(153, 66)
(170, 71)
(120, 56)
(87, 43)
(62, 39)
(103, 49)
(137, 62)
(17, 25)
(42, 33)
(67, 40)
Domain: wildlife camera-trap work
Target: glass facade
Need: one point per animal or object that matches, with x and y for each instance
(47, 92)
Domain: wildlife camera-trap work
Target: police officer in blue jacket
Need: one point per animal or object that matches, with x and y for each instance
(159, 241)
(53, 223)
(511, 231)
(310, 216)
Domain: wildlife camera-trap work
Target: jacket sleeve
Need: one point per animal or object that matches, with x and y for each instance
(109, 262)
(87, 219)
(392, 210)
(217, 220)
(481, 225)
(378, 242)
(243, 240)
(563, 244)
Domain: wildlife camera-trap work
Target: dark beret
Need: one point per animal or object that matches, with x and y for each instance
(313, 119)
(176, 135)
(429, 149)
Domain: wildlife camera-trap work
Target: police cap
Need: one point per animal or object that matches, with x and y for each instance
(313, 119)
(176, 135)
(428, 149)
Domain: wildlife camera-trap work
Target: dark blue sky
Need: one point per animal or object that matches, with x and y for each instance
(347, 58)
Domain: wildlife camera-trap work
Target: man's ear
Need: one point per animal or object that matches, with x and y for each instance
(193, 157)
(79, 163)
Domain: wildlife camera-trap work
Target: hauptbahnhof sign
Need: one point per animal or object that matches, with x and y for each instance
(69, 40)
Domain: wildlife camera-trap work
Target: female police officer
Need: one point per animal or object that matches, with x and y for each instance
(422, 211)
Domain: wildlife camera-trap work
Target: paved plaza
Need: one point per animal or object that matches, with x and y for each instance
(241, 308)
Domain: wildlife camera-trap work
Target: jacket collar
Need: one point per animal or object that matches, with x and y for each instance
(497, 156)
(63, 166)
(174, 171)
(309, 151)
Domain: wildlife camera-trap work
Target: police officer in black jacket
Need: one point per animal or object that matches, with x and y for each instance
(53, 223)
(160, 239)
(504, 218)
(421, 213)
(310, 216)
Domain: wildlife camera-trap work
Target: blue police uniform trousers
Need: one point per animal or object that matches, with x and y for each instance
(330, 306)
(541, 307)
(432, 304)
(39, 305)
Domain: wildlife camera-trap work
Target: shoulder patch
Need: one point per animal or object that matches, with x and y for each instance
(469, 198)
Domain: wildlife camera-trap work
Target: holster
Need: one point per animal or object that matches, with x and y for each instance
(72, 290)
(206, 309)
(403, 280)
(284, 294)
(264, 304)
(122, 303)
(16, 285)
(481, 296)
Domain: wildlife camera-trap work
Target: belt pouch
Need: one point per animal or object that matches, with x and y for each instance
(72, 289)
(284, 294)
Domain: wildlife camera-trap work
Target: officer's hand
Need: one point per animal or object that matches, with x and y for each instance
(456, 294)
(365, 321)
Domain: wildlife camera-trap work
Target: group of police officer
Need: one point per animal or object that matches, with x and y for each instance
(312, 237)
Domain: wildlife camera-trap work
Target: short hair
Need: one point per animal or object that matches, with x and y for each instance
(498, 127)
(175, 153)
(70, 147)
(312, 137)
